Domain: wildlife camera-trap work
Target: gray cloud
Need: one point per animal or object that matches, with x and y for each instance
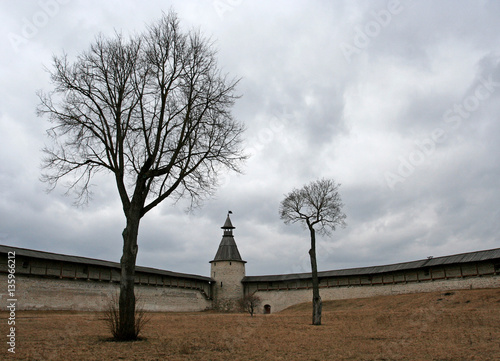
(405, 103)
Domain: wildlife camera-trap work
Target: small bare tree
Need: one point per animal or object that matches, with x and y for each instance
(249, 303)
(155, 112)
(112, 316)
(318, 207)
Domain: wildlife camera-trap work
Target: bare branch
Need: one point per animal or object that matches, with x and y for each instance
(317, 204)
(154, 110)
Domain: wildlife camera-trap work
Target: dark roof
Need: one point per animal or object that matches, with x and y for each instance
(228, 251)
(227, 224)
(95, 262)
(429, 262)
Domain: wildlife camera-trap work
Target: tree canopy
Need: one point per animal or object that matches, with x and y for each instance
(316, 204)
(154, 107)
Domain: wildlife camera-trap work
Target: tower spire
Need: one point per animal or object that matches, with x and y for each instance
(228, 226)
(228, 251)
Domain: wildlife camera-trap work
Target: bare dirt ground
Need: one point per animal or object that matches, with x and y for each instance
(456, 325)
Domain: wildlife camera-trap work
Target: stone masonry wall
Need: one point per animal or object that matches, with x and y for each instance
(281, 299)
(35, 293)
(227, 286)
(46, 284)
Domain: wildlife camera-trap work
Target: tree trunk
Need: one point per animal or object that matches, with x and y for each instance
(126, 327)
(317, 303)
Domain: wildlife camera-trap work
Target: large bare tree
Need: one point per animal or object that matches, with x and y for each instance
(154, 110)
(318, 207)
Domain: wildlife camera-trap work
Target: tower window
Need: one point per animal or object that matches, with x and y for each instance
(221, 284)
(230, 263)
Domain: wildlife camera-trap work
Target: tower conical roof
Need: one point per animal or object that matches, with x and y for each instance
(227, 224)
(228, 251)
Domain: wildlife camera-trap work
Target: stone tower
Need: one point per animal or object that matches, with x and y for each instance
(227, 270)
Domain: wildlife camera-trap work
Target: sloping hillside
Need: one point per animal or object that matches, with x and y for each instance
(462, 300)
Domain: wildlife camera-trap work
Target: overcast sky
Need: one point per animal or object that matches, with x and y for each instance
(399, 101)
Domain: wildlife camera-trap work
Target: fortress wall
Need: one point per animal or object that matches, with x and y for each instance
(283, 298)
(46, 281)
(63, 284)
(36, 293)
(91, 272)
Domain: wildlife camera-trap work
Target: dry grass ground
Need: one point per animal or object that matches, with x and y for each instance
(459, 325)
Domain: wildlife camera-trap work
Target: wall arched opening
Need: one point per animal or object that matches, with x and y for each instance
(267, 309)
